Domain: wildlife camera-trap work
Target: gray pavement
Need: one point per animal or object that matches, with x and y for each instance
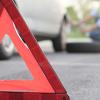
(80, 73)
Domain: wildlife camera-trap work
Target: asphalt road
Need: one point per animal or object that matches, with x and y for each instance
(80, 73)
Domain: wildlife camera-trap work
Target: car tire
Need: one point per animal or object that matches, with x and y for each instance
(6, 48)
(59, 43)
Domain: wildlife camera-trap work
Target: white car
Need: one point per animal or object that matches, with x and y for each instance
(46, 20)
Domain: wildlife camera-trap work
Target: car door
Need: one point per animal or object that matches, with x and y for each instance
(42, 16)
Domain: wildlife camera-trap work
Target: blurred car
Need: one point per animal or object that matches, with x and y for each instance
(46, 19)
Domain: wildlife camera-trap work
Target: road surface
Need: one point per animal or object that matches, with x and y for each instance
(79, 73)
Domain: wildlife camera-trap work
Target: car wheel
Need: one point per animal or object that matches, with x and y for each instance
(6, 48)
(59, 43)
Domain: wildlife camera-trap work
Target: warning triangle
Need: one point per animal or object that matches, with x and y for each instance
(7, 26)
(45, 80)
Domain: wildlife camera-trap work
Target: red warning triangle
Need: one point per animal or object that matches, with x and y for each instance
(45, 80)
(7, 26)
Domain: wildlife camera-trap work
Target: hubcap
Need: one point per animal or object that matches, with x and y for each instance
(7, 44)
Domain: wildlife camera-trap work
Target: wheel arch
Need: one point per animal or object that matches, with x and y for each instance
(65, 18)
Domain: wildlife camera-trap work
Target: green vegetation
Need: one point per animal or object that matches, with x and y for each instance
(72, 14)
(75, 32)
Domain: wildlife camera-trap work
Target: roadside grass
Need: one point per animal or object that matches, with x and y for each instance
(75, 33)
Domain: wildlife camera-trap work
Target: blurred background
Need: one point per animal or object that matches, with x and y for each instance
(71, 51)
